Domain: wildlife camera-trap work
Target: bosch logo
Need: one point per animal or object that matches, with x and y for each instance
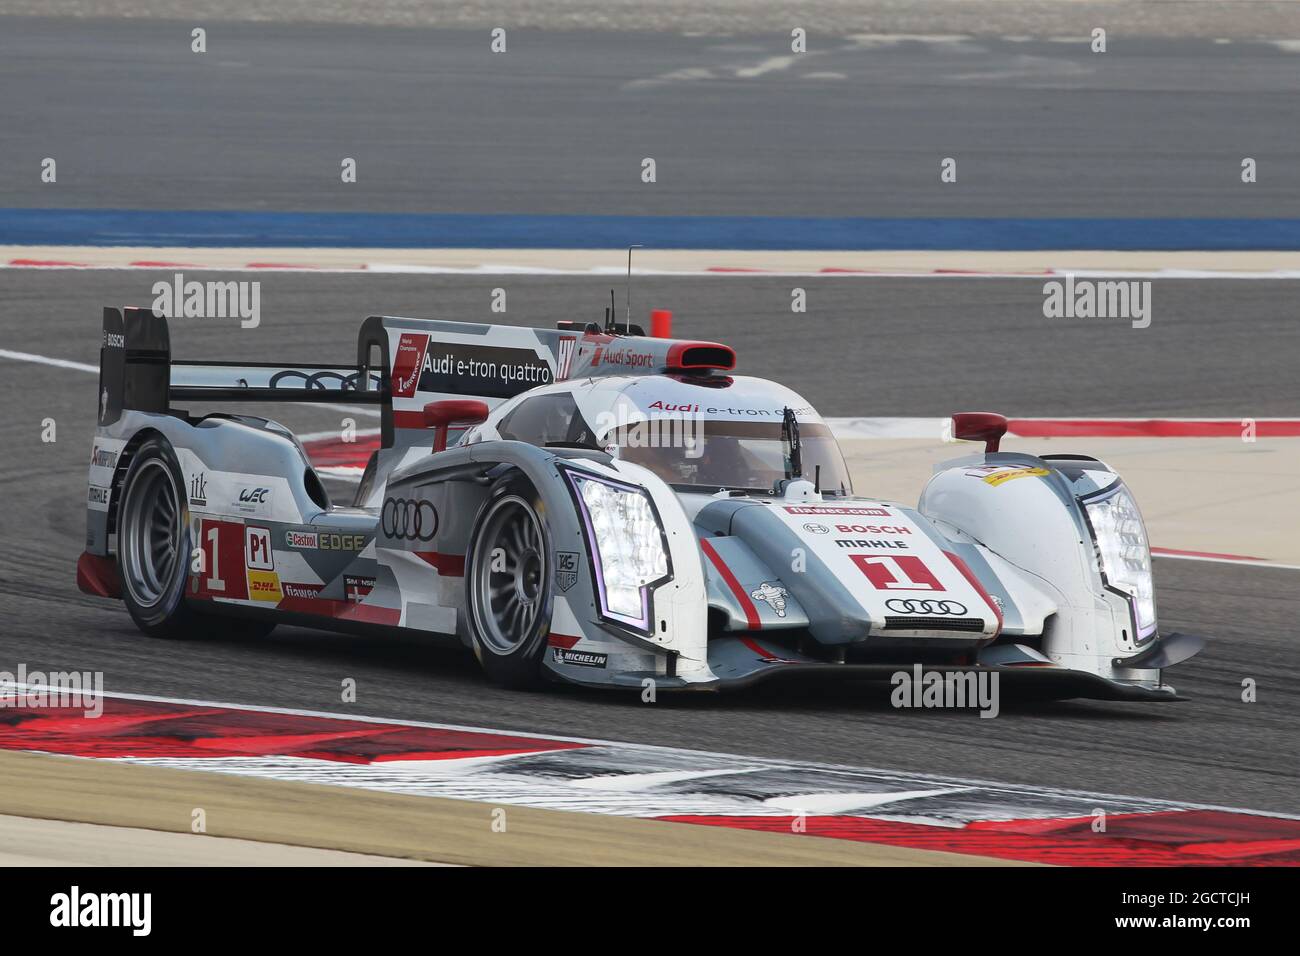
(813, 528)
(923, 606)
(408, 520)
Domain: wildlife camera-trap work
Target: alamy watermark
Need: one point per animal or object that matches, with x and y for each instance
(209, 300)
(73, 690)
(75, 908)
(1098, 299)
(946, 689)
(674, 428)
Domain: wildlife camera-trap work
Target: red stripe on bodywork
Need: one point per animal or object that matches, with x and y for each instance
(565, 641)
(1170, 838)
(325, 452)
(452, 565)
(341, 610)
(763, 652)
(97, 575)
(974, 582)
(746, 605)
(406, 419)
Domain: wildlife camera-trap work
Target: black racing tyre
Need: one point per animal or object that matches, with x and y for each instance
(154, 547)
(509, 584)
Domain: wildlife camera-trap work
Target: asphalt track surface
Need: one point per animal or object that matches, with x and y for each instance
(725, 18)
(924, 346)
(560, 123)
(1213, 748)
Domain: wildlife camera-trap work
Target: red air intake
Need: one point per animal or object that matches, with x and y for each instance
(687, 356)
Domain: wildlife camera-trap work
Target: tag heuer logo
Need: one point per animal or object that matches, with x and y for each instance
(566, 569)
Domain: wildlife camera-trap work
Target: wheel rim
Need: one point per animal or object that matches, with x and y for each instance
(509, 575)
(150, 542)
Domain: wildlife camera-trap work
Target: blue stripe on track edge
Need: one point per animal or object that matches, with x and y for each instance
(199, 228)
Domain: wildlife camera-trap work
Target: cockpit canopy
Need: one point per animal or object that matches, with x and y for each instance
(694, 433)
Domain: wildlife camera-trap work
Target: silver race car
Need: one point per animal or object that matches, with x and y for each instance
(601, 507)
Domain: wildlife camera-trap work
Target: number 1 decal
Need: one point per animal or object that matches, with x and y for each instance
(222, 575)
(901, 573)
(214, 582)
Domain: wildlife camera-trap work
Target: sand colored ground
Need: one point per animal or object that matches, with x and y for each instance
(1197, 494)
(28, 842)
(43, 788)
(672, 260)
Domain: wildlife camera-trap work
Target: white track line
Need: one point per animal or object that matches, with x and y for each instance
(46, 360)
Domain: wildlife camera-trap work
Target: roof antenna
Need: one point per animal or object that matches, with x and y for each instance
(628, 314)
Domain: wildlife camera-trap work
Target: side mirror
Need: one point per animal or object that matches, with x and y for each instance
(988, 427)
(440, 416)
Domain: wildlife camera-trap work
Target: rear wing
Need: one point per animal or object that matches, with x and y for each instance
(136, 372)
(402, 365)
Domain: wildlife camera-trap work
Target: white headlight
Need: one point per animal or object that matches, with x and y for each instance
(628, 544)
(1124, 553)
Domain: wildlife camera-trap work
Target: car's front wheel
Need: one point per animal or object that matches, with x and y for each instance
(510, 587)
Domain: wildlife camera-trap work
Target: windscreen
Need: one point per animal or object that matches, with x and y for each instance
(711, 455)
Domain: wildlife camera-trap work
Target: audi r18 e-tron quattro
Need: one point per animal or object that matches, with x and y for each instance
(603, 507)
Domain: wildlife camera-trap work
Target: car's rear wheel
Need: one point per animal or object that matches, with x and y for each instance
(510, 587)
(154, 546)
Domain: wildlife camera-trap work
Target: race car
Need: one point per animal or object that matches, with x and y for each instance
(594, 505)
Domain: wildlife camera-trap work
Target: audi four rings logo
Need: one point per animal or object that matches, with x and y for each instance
(813, 528)
(408, 520)
(920, 606)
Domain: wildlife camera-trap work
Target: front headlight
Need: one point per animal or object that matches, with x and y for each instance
(627, 545)
(1124, 554)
